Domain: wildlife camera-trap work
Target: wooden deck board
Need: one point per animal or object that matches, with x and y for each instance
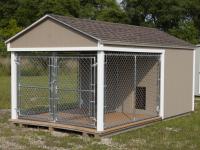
(80, 119)
(85, 130)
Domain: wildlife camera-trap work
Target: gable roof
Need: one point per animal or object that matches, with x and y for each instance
(117, 34)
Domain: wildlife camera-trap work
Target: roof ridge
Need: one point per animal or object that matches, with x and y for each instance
(105, 22)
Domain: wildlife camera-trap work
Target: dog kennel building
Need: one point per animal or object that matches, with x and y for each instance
(98, 75)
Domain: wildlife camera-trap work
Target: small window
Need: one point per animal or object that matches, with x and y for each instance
(140, 98)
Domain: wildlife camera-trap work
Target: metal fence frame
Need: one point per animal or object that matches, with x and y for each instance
(52, 86)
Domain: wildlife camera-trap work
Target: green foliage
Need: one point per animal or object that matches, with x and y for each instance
(193, 11)
(177, 17)
(10, 29)
(60, 7)
(161, 14)
(112, 15)
(26, 12)
(5, 92)
(186, 31)
(18, 14)
(106, 10)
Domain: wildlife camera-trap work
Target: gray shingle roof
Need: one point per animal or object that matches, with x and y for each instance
(123, 34)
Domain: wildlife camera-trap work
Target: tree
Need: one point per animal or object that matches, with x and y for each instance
(193, 11)
(106, 10)
(180, 18)
(156, 13)
(186, 31)
(177, 17)
(112, 15)
(60, 7)
(18, 14)
(6, 32)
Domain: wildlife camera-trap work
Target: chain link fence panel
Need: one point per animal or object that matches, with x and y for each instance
(131, 87)
(58, 89)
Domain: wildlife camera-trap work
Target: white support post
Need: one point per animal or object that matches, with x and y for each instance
(13, 86)
(100, 91)
(193, 80)
(162, 79)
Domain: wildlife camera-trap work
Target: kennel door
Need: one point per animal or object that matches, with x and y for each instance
(76, 91)
(33, 87)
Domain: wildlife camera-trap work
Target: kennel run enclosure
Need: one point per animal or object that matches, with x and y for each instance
(62, 88)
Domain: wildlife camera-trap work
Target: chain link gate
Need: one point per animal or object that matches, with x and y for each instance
(58, 89)
(131, 87)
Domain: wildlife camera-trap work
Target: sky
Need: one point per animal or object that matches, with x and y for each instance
(119, 1)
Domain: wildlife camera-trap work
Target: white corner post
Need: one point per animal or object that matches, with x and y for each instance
(162, 80)
(13, 86)
(193, 79)
(100, 91)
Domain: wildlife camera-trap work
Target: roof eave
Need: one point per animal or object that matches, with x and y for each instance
(146, 45)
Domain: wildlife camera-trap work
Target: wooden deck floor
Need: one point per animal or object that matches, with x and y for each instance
(86, 131)
(121, 122)
(111, 119)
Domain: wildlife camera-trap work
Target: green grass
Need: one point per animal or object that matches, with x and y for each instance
(176, 134)
(36, 95)
(179, 133)
(4, 92)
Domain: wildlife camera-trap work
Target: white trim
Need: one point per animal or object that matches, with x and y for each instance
(100, 91)
(13, 86)
(131, 49)
(54, 49)
(8, 46)
(99, 47)
(162, 84)
(193, 81)
(198, 76)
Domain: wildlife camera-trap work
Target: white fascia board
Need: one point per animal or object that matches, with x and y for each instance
(99, 47)
(53, 49)
(131, 49)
